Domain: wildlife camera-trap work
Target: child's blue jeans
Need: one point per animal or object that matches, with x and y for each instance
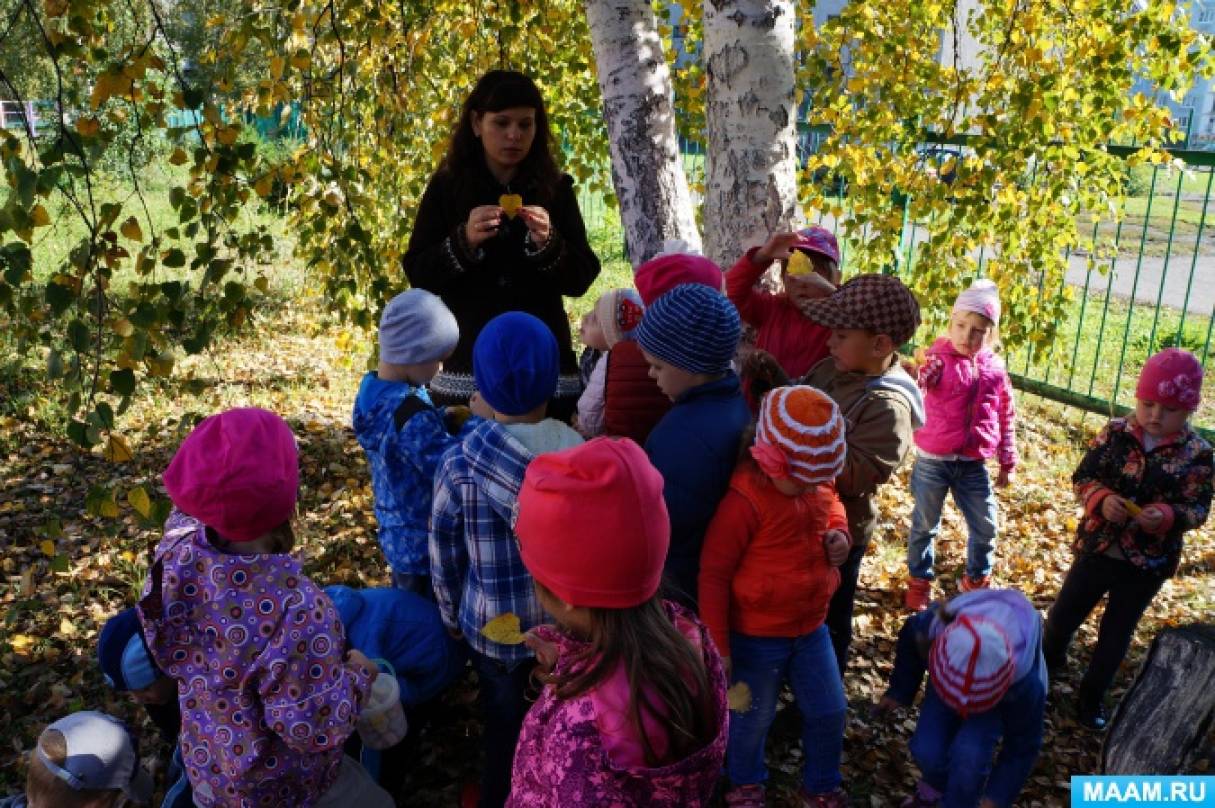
(808, 664)
(972, 491)
(955, 754)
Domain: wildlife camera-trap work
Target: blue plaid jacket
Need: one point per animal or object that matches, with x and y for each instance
(474, 555)
(404, 435)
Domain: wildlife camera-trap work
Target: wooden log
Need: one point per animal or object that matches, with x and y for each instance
(1162, 724)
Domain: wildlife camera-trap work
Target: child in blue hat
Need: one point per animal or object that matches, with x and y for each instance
(127, 667)
(474, 556)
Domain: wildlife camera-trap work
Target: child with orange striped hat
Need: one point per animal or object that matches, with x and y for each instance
(767, 573)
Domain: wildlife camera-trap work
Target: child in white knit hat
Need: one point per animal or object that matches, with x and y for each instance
(615, 317)
(969, 418)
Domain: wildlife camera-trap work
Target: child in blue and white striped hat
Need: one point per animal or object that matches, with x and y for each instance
(688, 336)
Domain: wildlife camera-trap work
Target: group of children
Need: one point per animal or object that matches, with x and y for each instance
(695, 531)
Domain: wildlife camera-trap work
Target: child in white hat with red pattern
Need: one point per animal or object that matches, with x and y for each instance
(986, 687)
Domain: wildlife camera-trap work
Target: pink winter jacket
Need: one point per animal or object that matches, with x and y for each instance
(580, 751)
(969, 405)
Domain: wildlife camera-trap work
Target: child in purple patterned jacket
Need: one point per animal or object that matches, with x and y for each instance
(267, 691)
(969, 419)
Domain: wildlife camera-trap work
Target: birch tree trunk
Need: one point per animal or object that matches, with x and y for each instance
(750, 185)
(651, 186)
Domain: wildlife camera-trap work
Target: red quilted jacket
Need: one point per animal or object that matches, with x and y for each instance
(632, 402)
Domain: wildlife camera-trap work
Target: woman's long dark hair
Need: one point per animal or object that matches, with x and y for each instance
(495, 91)
(668, 681)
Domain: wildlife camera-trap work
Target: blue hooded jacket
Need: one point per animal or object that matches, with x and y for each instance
(404, 435)
(405, 629)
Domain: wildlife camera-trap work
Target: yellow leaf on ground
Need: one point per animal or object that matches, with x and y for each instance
(139, 500)
(178, 157)
(66, 627)
(88, 126)
(117, 450)
(739, 697)
(47, 547)
(39, 216)
(21, 643)
(503, 629)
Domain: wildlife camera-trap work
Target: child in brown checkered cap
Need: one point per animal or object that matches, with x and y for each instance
(870, 316)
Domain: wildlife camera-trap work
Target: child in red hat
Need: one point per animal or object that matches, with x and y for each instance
(1145, 482)
(633, 710)
(268, 694)
(782, 330)
(767, 572)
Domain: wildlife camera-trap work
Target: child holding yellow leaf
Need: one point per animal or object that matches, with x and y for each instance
(633, 710)
(1145, 482)
(769, 567)
(474, 557)
(809, 261)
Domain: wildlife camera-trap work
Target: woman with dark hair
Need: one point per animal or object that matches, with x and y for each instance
(498, 230)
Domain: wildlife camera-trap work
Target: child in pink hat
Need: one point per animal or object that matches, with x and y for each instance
(782, 330)
(1144, 483)
(633, 710)
(986, 686)
(268, 694)
(969, 418)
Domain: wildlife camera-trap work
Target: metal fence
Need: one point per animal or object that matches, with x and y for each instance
(1156, 290)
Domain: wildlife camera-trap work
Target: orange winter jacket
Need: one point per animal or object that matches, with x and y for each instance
(763, 568)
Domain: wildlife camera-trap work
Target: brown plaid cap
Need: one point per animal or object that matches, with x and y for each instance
(879, 303)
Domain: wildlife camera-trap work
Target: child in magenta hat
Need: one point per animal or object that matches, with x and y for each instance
(1145, 482)
(268, 694)
(986, 686)
(767, 573)
(633, 710)
(969, 418)
(783, 331)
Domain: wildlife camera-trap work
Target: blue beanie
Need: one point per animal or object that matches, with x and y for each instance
(515, 363)
(691, 327)
(125, 661)
(417, 327)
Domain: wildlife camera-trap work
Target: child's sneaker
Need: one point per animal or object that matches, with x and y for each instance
(832, 799)
(918, 594)
(971, 584)
(924, 796)
(745, 797)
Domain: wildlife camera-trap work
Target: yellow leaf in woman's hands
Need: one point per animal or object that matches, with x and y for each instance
(503, 629)
(1131, 508)
(511, 204)
(738, 697)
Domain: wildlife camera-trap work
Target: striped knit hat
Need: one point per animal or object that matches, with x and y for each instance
(618, 312)
(971, 665)
(804, 426)
(693, 328)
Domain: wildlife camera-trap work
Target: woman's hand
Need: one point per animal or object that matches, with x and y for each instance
(1113, 509)
(482, 224)
(538, 224)
(1150, 519)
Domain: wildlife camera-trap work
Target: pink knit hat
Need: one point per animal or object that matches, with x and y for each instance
(619, 313)
(662, 273)
(818, 240)
(971, 664)
(592, 524)
(237, 472)
(982, 298)
(802, 425)
(1173, 378)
